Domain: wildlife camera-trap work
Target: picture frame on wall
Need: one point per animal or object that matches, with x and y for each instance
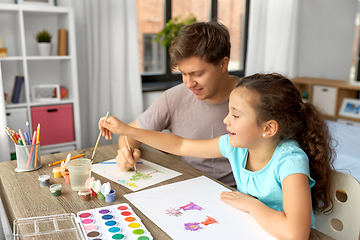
(37, 2)
(350, 107)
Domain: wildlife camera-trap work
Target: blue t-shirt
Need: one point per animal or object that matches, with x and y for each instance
(265, 184)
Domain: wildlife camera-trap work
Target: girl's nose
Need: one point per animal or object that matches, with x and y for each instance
(226, 120)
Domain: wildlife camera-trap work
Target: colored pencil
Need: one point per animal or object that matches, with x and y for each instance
(24, 142)
(97, 142)
(31, 151)
(63, 160)
(11, 136)
(28, 131)
(115, 162)
(37, 145)
(27, 137)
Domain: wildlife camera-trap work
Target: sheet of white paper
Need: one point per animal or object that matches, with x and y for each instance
(162, 204)
(147, 174)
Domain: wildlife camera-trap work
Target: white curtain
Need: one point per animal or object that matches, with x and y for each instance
(4, 139)
(272, 37)
(113, 62)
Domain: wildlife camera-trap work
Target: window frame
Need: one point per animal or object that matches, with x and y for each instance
(158, 82)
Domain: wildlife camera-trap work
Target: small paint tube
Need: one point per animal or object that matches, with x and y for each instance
(55, 190)
(44, 180)
(85, 194)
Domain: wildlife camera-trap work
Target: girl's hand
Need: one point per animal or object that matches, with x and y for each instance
(126, 159)
(112, 125)
(238, 200)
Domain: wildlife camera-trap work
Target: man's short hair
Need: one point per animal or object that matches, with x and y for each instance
(208, 40)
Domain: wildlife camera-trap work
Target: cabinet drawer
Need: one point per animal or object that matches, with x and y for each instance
(16, 119)
(53, 150)
(325, 99)
(56, 123)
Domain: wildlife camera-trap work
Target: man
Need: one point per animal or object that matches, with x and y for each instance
(196, 108)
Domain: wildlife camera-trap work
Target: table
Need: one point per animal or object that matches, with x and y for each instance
(23, 197)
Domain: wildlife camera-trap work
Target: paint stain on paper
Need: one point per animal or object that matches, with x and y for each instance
(192, 226)
(191, 206)
(173, 212)
(209, 220)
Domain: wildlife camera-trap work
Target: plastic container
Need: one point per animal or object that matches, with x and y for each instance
(110, 197)
(28, 157)
(85, 194)
(44, 180)
(57, 172)
(80, 171)
(62, 226)
(55, 190)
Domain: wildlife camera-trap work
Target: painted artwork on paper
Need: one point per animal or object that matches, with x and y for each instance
(147, 174)
(192, 210)
(191, 226)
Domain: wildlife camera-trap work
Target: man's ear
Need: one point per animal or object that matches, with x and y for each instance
(271, 128)
(224, 63)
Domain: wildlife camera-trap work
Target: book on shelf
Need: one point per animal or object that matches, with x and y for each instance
(62, 42)
(19, 81)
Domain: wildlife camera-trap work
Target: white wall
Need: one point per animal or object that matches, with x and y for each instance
(326, 38)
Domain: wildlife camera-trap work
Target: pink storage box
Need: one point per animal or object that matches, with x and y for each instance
(56, 123)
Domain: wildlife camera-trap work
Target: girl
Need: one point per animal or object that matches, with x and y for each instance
(278, 148)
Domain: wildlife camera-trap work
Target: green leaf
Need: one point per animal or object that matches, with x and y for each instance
(172, 28)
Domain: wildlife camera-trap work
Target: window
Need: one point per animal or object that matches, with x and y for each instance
(152, 16)
(354, 70)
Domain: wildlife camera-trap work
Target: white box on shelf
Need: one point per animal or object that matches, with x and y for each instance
(324, 98)
(45, 92)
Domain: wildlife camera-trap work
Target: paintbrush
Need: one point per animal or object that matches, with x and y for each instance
(97, 142)
(128, 146)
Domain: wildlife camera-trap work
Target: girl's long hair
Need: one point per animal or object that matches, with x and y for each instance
(303, 122)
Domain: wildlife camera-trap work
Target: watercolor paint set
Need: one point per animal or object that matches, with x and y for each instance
(113, 222)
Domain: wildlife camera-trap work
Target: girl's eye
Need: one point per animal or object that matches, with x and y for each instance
(235, 116)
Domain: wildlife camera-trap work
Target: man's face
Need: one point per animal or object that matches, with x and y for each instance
(202, 78)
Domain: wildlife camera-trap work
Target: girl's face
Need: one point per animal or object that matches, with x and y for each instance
(241, 121)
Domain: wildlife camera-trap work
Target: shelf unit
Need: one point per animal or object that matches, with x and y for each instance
(328, 94)
(18, 26)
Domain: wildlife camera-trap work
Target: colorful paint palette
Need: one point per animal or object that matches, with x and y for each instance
(113, 222)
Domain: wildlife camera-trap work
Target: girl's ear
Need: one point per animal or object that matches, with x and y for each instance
(224, 64)
(271, 128)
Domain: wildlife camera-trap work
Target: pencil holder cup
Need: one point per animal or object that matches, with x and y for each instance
(28, 157)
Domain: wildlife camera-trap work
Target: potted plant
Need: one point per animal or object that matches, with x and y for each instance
(43, 39)
(172, 28)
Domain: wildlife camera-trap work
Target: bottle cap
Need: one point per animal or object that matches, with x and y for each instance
(105, 188)
(84, 192)
(43, 178)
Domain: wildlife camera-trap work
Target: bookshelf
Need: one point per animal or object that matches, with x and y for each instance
(18, 26)
(328, 95)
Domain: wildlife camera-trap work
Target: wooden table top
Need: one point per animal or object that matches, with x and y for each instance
(23, 197)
